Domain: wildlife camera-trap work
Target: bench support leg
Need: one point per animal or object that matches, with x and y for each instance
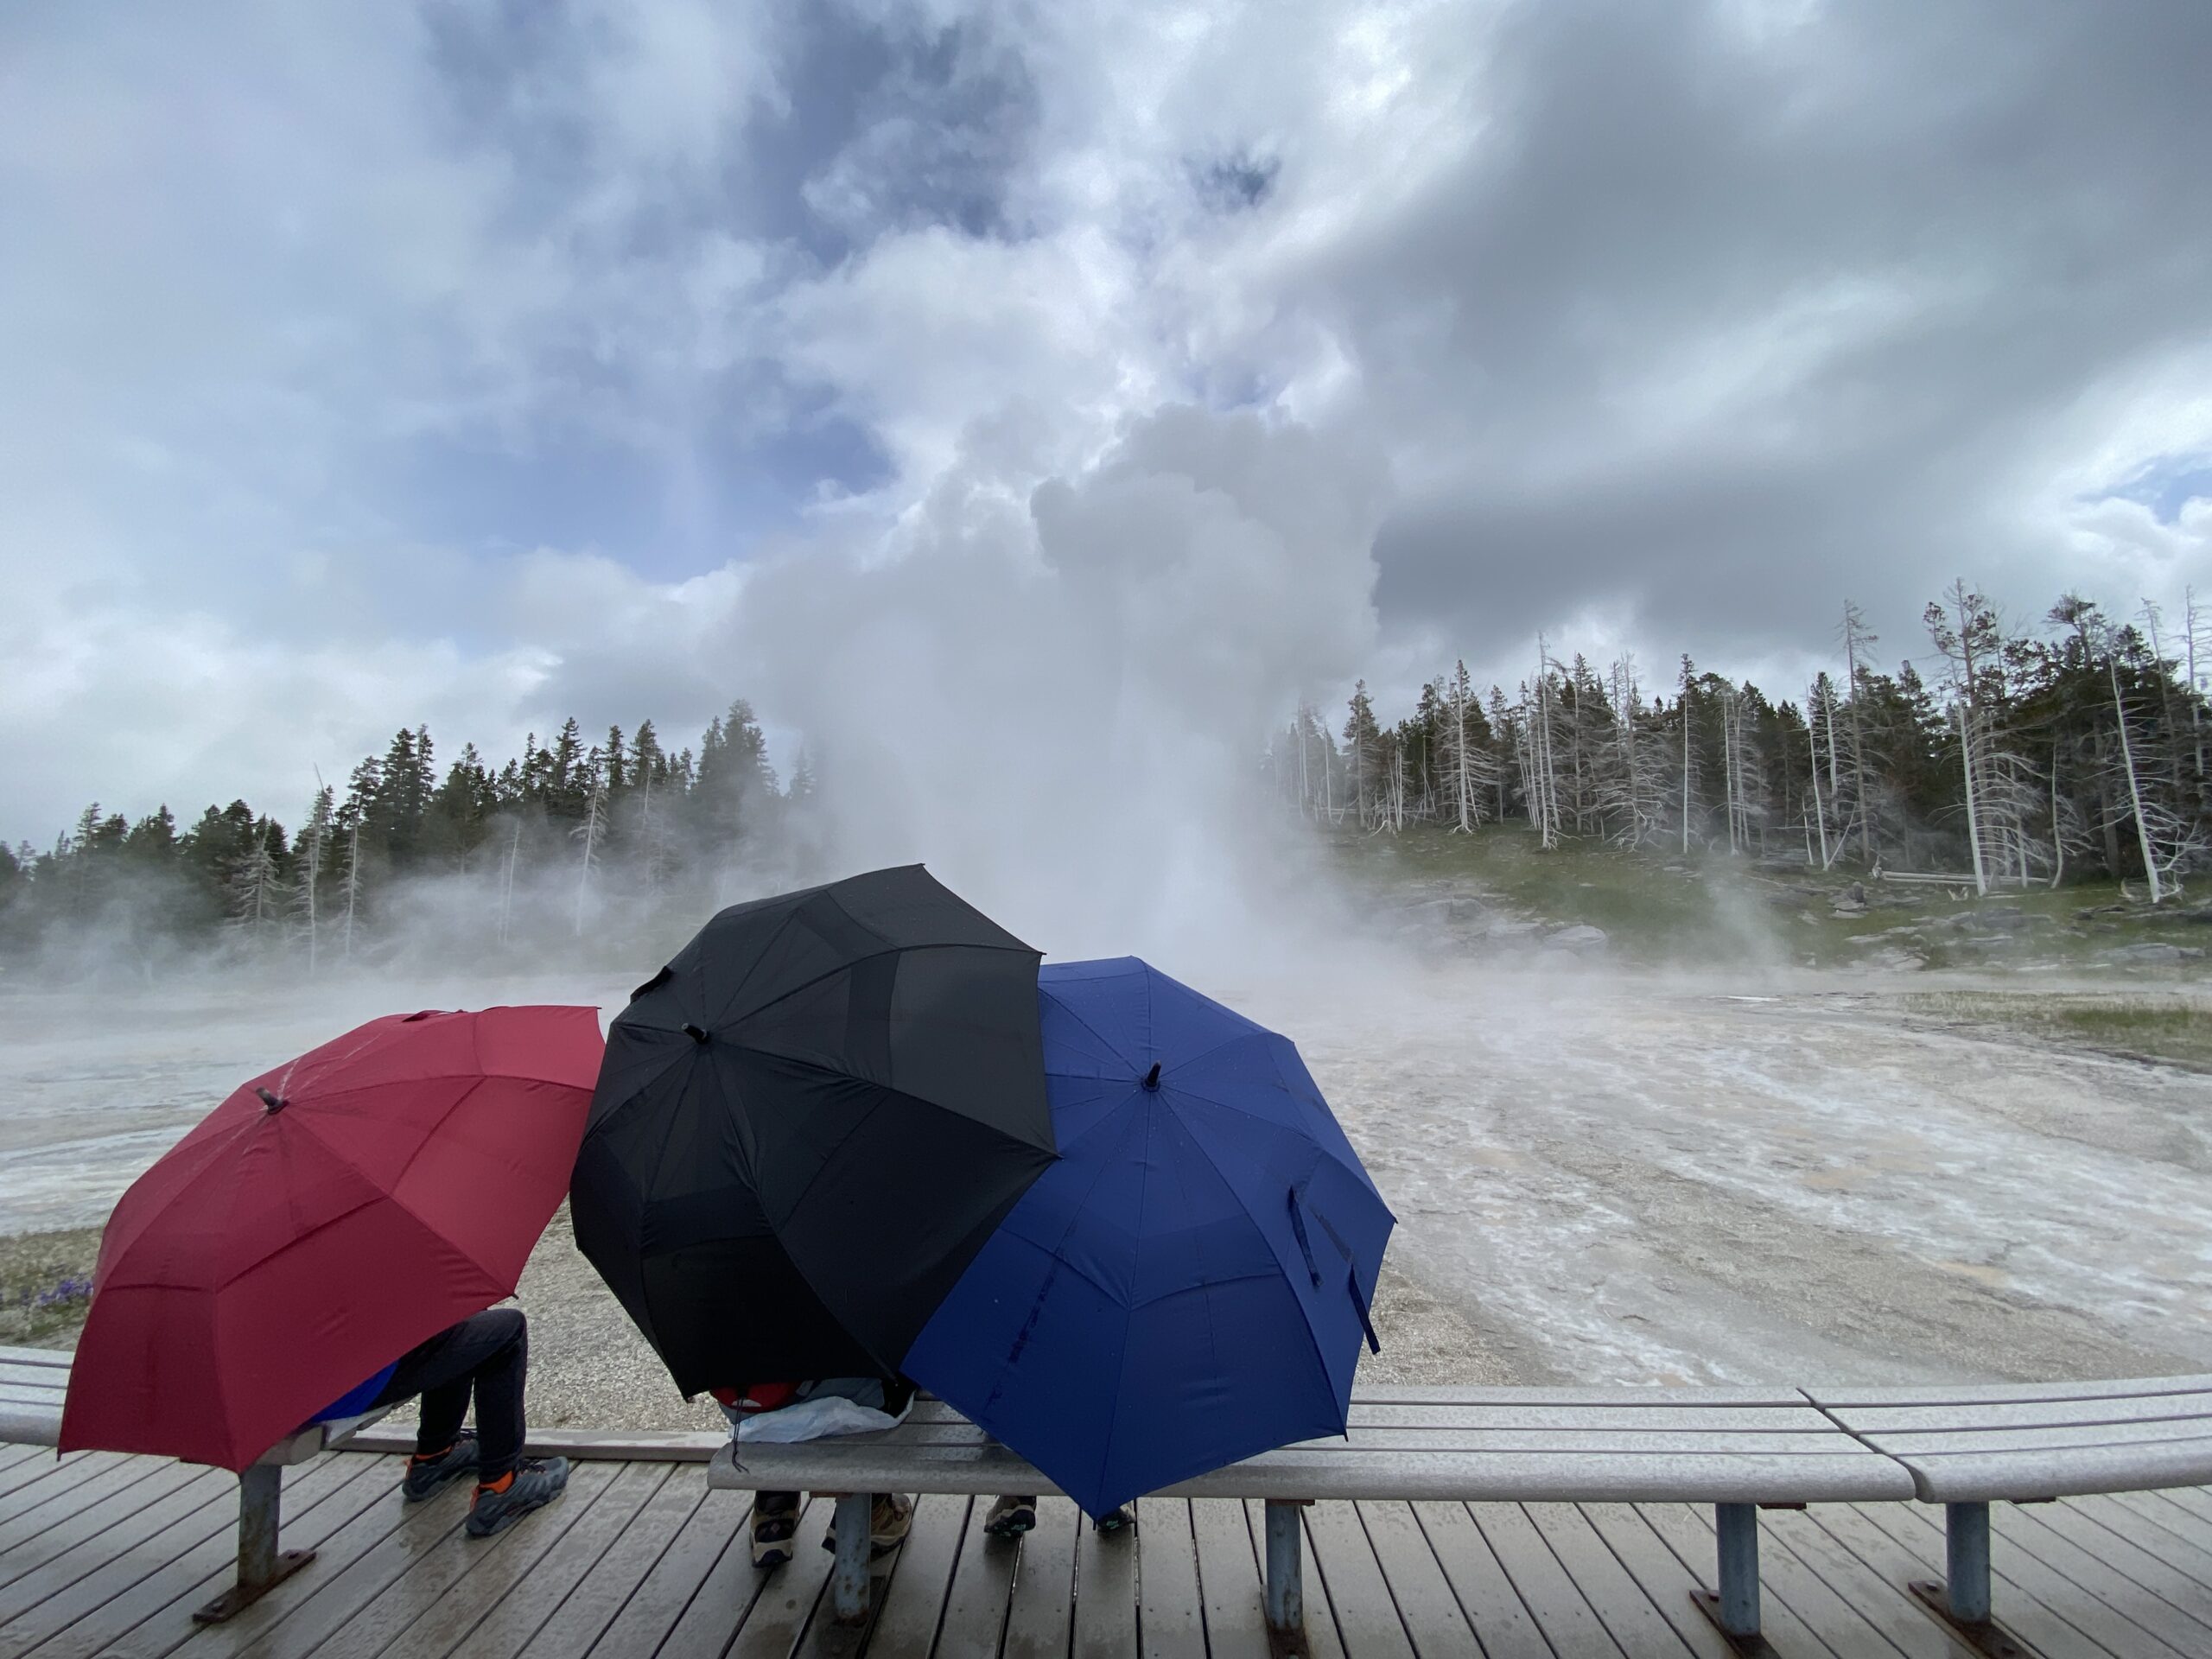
(1962, 1600)
(1739, 1526)
(1966, 1550)
(849, 1579)
(262, 1566)
(1735, 1610)
(1286, 1581)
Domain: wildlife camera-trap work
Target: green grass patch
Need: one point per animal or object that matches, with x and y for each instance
(1708, 907)
(2176, 1028)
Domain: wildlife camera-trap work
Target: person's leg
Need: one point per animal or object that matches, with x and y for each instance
(443, 1369)
(485, 1356)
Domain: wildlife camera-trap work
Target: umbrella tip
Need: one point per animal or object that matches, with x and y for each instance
(270, 1103)
(1152, 1078)
(694, 1034)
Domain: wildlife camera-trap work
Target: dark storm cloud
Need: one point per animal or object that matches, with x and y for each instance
(1733, 324)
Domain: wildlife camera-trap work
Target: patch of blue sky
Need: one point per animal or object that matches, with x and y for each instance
(667, 516)
(2167, 485)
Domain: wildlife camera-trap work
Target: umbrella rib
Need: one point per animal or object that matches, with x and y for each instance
(390, 1195)
(1213, 1163)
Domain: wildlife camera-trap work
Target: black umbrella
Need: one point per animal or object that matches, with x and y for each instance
(807, 1125)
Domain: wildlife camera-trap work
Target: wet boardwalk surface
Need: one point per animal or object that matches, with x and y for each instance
(102, 1555)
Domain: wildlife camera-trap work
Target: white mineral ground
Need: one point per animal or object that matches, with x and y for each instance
(1598, 1179)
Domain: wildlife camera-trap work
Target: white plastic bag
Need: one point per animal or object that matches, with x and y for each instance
(817, 1419)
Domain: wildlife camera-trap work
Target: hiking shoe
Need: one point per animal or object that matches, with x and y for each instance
(427, 1476)
(775, 1518)
(1120, 1520)
(1011, 1516)
(536, 1482)
(888, 1524)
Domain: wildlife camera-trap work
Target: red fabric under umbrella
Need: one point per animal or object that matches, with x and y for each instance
(328, 1217)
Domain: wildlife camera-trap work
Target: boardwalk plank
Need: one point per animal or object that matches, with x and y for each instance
(1321, 1633)
(2197, 1500)
(913, 1604)
(1787, 1580)
(1853, 1530)
(1169, 1622)
(787, 1601)
(2161, 1510)
(2027, 1532)
(11, 1455)
(2132, 1516)
(117, 1566)
(982, 1584)
(446, 1621)
(1037, 1622)
(1231, 1602)
(119, 1499)
(1619, 1601)
(537, 1596)
(721, 1519)
(1367, 1620)
(1501, 1623)
(1688, 1533)
(115, 1552)
(1433, 1620)
(389, 1539)
(1886, 1605)
(725, 1597)
(50, 1507)
(607, 1589)
(2040, 1616)
(1643, 1554)
(1105, 1595)
(2185, 1585)
(1560, 1610)
(43, 1470)
(155, 1615)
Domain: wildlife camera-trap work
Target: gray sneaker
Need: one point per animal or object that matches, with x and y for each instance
(537, 1482)
(427, 1476)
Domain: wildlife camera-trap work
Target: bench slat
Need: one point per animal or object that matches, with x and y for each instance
(1326, 1470)
(42, 1377)
(2064, 1471)
(52, 1356)
(2037, 1414)
(1474, 1393)
(2028, 1441)
(1969, 1394)
(30, 1424)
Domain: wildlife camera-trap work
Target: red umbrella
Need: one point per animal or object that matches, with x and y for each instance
(323, 1220)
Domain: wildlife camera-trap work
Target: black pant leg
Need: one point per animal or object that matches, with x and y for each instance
(486, 1355)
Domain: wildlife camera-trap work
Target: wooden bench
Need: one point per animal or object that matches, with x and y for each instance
(1734, 1449)
(1968, 1445)
(33, 1382)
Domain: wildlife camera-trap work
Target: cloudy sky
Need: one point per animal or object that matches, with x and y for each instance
(477, 364)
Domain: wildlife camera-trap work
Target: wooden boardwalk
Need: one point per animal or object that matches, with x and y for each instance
(101, 1554)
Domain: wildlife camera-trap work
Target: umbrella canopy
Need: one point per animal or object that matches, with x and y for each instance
(807, 1124)
(325, 1218)
(1188, 1285)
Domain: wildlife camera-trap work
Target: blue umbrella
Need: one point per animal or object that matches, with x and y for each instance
(1188, 1284)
